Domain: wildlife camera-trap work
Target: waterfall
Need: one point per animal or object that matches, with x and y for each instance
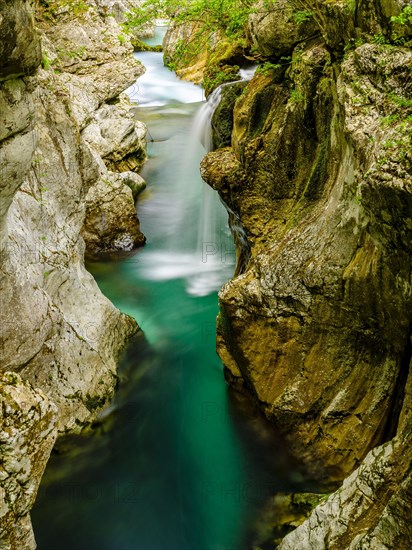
(203, 120)
(214, 247)
(196, 245)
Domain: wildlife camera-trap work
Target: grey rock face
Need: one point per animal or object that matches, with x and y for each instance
(20, 52)
(110, 223)
(27, 435)
(47, 168)
(68, 350)
(117, 138)
(56, 328)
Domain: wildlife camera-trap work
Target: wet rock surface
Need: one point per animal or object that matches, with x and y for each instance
(316, 326)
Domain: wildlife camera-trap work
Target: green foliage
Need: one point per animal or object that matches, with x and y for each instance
(46, 63)
(76, 7)
(404, 18)
(390, 120)
(399, 22)
(302, 16)
(296, 96)
(122, 39)
(267, 68)
(217, 75)
(222, 23)
(398, 40)
(379, 39)
(78, 53)
(400, 101)
(228, 16)
(351, 6)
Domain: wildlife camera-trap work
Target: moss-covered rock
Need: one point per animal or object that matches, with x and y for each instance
(222, 120)
(276, 27)
(140, 46)
(205, 58)
(316, 326)
(316, 323)
(27, 434)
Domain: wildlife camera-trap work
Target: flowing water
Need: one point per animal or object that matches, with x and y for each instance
(177, 463)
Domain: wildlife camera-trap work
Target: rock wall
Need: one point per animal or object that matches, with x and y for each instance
(203, 56)
(372, 509)
(27, 434)
(67, 167)
(189, 66)
(316, 326)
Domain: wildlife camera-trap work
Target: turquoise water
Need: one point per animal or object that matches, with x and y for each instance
(178, 463)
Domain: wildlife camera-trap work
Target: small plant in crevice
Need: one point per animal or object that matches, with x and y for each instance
(267, 67)
(379, 39)
(404, 18)
(400, 100)
(51, 8)
(302, 16)
(296, 96)
(389, 120)
(46, 62)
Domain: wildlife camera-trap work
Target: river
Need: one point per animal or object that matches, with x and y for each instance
(177, 463)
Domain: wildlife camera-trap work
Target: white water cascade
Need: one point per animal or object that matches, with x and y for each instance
(192, 225)
(214, 245)
(203, 120)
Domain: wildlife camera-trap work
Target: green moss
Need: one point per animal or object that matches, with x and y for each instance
(319, 173)
(268, 67)
(46, 63)
(140, 46)
(302, 16)
(261, 106)
(296, 96)
(215, 76)
(222, 121)
(51, 8)
(95, 402)
(400, 100)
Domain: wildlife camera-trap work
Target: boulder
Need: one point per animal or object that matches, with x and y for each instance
(111, 224)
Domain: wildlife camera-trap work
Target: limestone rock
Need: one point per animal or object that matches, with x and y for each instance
(275, 30)
(27, 434)
(20, 51)
(56, 328)
(189, 67)
(135, 182)
(117, 138)
(374, 18)
(54, 320)
(317, 326)
(89, 62)
(222, 120)
(111, 223)
(68, 350)
(372, 509)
